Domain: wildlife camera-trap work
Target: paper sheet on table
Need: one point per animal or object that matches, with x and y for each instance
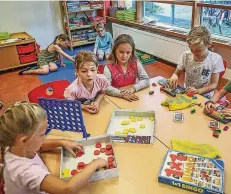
(205, 150)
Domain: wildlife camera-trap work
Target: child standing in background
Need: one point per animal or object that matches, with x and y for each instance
(124, 70)
(202, 67)
(103, 43)
(22, 129)
(47, 58)
(89, 87)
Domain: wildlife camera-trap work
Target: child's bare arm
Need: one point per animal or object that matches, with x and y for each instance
(174, 78)
(99, 98)
(61, 52)
(53, 184)
(212, 86)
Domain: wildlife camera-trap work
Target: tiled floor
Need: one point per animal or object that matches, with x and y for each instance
(15, 88)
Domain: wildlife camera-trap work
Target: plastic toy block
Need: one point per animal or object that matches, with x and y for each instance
(79, 154)
(108, 152)
(217, 130)
(66, 173)
(81, 164)
(111, 159)
(194, 97)
(133, 120)
(98, 145)
(102, 150)
(151, 118)
(108, 147)
(96, 152)
(125, 131)
(139, 118)
(132, 130)
(142, 126)
(190, 94)
(215, 134)
(193, 111)
(132, 117)
(154, 84)
(73, 172)
(110, 163)
(151, 93)
(125, 123)
(226, 128)
(118, 133)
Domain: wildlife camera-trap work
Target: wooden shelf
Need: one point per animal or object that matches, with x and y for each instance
(84, 10)
(81, 27)
(87, 43)
(17, 66)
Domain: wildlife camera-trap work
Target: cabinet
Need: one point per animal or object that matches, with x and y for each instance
(78, 20)
(19, 50)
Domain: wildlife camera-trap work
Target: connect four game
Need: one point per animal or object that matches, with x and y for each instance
(65, 115)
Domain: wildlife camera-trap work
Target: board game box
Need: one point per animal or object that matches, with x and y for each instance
(94, 147)
(193, 173)
(132, 126)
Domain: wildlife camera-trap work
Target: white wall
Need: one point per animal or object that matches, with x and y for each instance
(41, 19)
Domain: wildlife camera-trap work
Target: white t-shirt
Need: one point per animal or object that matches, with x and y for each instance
(23, 175)
(198, 74)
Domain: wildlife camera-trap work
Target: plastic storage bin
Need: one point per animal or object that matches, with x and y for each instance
(23, 49)
(27, 58)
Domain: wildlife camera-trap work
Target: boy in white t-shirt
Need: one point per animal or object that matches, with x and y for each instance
(202, 67)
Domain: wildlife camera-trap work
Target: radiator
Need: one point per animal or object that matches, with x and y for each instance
(162, 47)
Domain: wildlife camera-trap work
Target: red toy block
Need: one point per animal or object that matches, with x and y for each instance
(215, 134)
(108, 147)
(225, 128)
(73, 172)
(108, 152)
(110, 163)
(102, 150)
(81, 164)
(153, 84)
(98, 145)
(79, 154)
(96, 152)
(190, 94)
(110, 159)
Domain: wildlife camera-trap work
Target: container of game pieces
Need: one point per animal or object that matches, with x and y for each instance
(94, 147)
(132, 126)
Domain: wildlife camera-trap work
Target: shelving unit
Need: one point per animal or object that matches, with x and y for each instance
(78, 19)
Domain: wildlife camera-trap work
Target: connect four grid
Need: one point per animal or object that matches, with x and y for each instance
(65, 115)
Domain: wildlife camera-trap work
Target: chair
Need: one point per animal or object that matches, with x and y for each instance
(53, 89)
(100, 69)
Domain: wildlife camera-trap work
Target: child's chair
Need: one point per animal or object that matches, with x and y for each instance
(53, 89)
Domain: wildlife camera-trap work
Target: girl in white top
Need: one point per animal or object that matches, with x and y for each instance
(22, 133)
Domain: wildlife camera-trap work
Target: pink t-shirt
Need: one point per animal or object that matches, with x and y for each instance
(77, 91)
(23, 175)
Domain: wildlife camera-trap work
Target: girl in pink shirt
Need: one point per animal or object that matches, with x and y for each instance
(89, 87)
(22, 129)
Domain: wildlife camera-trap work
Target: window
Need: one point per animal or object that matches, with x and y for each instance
(169, 14)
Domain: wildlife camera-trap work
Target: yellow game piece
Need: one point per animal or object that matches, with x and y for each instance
(66, 173)
(142, 126)
(133, 119)
(151, 118)
(125, 123)
(139, 118)
(132, 130)
(125, 131)
(118, 133)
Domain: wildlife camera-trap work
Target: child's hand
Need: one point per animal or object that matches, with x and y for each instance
(173, 81)
(192, 90)
(227, 113)
(100, 163)
(209, 107)
(62, 65)
(89, 108)
(95, 106)
(72, 146)
(128, 91)
(130, 97)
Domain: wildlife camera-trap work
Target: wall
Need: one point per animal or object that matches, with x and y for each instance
(41, 19)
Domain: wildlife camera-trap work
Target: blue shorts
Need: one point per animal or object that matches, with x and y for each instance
(104, 52)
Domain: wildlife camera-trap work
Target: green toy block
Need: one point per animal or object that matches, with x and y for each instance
(193, 111)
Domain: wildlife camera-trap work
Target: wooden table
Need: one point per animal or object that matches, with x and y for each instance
(138, 164)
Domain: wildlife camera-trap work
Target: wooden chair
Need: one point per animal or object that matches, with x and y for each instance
(53, 89)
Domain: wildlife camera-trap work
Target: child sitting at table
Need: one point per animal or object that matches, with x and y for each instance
(103, 43)
(22, 129)
(202, 67)
(210, 105)
(89, 87)
(125, 70)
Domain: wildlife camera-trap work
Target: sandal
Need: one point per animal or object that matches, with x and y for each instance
(22, 71)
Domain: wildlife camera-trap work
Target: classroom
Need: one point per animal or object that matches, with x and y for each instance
(115, 97)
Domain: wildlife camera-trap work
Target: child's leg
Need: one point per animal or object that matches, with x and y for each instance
(108, 54)
(42, 70)
(53, 67)
(100, 54)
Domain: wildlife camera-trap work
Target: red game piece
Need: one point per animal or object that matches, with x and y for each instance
(153, 84)
(102, 150)
(79, 154)
(96, 152)
(110, 159)
(98, 145)
(190, 94)
(73, 172)
(108, 147)
(112, 166)
(108, 152)
(81, 164)
(215, 134)
(226, 128)
(110, 163)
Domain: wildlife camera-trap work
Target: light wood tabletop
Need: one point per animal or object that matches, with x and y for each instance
(139, 164)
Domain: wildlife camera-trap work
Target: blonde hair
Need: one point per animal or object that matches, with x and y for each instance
(99, 25)
(123, 39)
(199, 34)
(85, 56)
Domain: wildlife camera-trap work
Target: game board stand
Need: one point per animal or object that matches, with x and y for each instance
(65, 115)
